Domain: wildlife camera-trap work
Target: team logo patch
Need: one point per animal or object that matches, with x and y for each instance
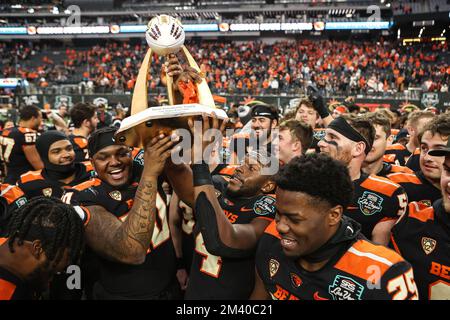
(116, 195)
(428, 245)
(21, 201)
(370, 203)
(264, 206)
(296, 281)
(47, 192)
(274, 265)
(344, 288)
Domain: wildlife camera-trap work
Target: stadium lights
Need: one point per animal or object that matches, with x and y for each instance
(388, 5)
(443, 32)
(16, 6)
(398, 33)
(382, 1)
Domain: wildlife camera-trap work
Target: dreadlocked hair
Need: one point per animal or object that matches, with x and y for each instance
(54, 223)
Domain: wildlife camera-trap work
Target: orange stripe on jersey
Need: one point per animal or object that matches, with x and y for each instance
(396, 146)
(31, 176)
(135, 152)
(394, 132)
(88, 165)
(272, 229)
(25, 130)
(6, 289)
(395, 168)
(88, 215)
(11, 193)
(360, 259)
(3, 240)
(421, 211)
(6, 133)
(81, 142)
(380, 184)
(416, 152)
(87, 184)
(229, 171)
(401, 177)
(395, 245)
(389, 158)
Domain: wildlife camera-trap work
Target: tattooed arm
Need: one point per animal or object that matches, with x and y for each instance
(128, 241)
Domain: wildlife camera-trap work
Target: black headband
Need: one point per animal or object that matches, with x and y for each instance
(264, 111)
(343, 127)
(103, 140)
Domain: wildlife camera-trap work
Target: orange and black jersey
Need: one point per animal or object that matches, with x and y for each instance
(417, 187)
(414, 161)
(422, 237)
(157, 273)
(37, 183)
(349, 275)
(221, 278)
(80, 146)
(12, 142)
(11, 198)
(12, 287)
(397, 154)
(375, 200)
(389, 168)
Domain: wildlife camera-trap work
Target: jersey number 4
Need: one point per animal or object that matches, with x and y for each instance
(211, 264)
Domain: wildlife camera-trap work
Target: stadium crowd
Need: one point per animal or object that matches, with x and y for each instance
(337, 67)
(318, 204)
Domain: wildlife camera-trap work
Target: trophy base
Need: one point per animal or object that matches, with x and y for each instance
(135, 130)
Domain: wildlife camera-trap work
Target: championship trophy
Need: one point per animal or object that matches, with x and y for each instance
(164, 35)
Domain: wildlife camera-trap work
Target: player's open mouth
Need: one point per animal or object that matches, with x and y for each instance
(117, 174)
(237, 179)
(288, 244)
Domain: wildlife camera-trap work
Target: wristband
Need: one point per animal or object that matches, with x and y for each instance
(181, 264)
(201, 174)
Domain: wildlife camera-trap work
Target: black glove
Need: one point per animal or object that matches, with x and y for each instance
(317, 100)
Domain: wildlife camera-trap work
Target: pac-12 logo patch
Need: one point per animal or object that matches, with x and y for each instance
(264, 206)
(344, 288)
(274, 265)
(370, 203)
(47, 192)
(428, 245)
(116, 195)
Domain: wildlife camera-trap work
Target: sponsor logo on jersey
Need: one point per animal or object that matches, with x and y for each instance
(274, 265)
(296, 280)
(47, 192)
(345, 288)
(370, 203)
(116, 195)
(428, 245)
(264, 206)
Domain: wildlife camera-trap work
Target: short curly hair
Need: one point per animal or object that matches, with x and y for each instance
(319, 176)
